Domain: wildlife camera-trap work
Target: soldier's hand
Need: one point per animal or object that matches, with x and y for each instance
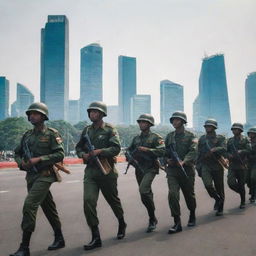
(35, 160)
(95, 152)
(25, 165)
(143, 149)
(86, 157)
(181, 163)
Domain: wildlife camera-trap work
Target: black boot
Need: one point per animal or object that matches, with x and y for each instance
(121, 229)
(152, 224)
(242, 204)
(22, 251)
(220, 208)
(96, 241)
(217, 202)
(252, 198)
(58, 242)
(177, 226)
(192, 219)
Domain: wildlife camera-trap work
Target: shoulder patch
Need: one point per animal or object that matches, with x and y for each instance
(58, 140)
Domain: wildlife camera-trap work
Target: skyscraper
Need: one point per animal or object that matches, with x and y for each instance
(4, 98)
(196, 112)
(140, 104)
(24, 99)
(171, 100)
(14, 111)
(250, 99)
(54, 66)
(213, 95)
(73, 111)
(127, 87)
(90, 77)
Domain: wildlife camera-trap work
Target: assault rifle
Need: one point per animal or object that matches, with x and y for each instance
(28, 155)
(174, 156)
(91, 148)
(236, 153)
(132, 161)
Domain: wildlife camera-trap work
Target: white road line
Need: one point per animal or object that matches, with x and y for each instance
(3, 191)
(73, 181)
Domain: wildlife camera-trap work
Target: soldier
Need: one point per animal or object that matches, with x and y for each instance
(211, 148)
(237, 149)
(105, 139)
(144, 149)
(181, 154)
(39, 150)
(251, 178)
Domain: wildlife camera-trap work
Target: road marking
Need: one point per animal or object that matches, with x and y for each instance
(4, 191)
(73, 181)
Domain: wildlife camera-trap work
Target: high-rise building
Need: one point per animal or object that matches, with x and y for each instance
(14, 111)
(250, 99)
(213, 94)
(140, 104)
(127, 87)
(90, 76)
(196, 112)
(24, 99)
(171, 100)
(112, 116)
(4, 98)
(55, 66)
(73, 112)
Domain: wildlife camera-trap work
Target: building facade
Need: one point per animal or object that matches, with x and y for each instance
(127, 83)
(90, 77)
(54, 80)
(171, 100)
(73, 112)
(4, 97)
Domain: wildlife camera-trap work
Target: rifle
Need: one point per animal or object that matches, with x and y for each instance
(95, 158)
(174, 155)
(221, 160)
(235, 151)
(132, 161)
(28, 154)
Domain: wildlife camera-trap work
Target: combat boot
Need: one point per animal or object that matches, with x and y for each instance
(252, 198)
(22, 251)
(242, 204)
(121, 229)
(152, 224)
(217, 202)
(177, 226)
(192, 219)
(96, 241)
(220, 208)
(58, 242)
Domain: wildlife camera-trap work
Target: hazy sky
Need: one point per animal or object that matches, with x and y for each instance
(169, 38)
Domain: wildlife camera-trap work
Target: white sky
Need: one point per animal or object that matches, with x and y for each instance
(169, 38)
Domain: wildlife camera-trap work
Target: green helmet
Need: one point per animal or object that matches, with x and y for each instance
(211, 122)
(252, 130)
(237, 126)
(179, 114)
(147, 117)
(98, 105)
(38, 107)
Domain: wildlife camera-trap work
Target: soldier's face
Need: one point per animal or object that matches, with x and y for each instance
(177, 123)
(144, 125)
(36, 117)
(252, 135)
(236, 131)
(95, 115)
(209, 128)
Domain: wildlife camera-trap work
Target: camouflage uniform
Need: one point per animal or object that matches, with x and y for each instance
(237, 165)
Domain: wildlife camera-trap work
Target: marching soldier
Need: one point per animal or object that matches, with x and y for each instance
(39, 150)
(237, 149)
(251, 178)
(181, 154)
(100, 172)
(144, 149)
(211, 148)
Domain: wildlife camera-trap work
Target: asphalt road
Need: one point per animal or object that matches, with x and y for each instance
(230, 235)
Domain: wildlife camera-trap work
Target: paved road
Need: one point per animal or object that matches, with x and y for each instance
(230, 235)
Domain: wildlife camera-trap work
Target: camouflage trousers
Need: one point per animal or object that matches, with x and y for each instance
(144, 181)
(39, 195)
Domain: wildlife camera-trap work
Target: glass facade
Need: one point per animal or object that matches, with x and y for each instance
(4, 98)
(140, 104)
(250, 99)
(54, 66)
(171, 100)
(213, 94)
(90, 77)
(24, 99)
(127, 87)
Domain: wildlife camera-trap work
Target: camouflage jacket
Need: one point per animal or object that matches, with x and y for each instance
(147, 160)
